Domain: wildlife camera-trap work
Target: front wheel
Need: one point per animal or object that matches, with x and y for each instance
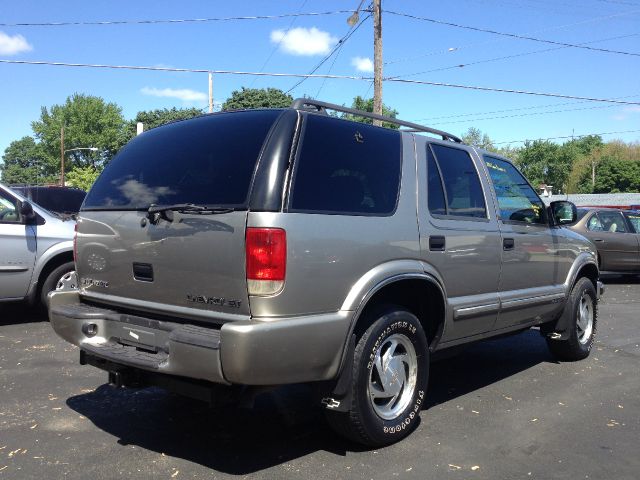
(582, 309)
(390, 375)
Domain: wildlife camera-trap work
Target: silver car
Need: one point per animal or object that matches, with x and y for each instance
(270, 247)
(36, 250)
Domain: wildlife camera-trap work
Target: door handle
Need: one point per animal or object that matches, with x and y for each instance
(437, 243)
(598, 240)
(508, 243)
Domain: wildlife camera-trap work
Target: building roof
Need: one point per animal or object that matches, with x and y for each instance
(623, 200)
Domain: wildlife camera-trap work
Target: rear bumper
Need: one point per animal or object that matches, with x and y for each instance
(255, 352)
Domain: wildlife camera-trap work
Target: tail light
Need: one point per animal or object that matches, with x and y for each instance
(266, 260)
(75, 243)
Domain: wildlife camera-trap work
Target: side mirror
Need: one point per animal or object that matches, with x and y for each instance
(26, 211)
(563, 213)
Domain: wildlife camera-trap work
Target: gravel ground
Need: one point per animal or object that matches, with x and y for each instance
(502, 409)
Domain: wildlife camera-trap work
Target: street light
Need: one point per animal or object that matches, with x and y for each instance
(64, 152)
(355, 17)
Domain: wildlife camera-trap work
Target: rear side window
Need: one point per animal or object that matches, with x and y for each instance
(459, 192)
(612, 221)
(60, 200)
(207, 160)
(634, 218)
(346, 168)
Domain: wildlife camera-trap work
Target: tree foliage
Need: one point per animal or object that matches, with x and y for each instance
(25, 161)
(610, 167)
(155, 118)
(89, 122)
(248, 98)
(475, 137)
(82, 177)
(366, 105)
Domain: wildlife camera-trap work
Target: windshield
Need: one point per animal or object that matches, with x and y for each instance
(207, 160)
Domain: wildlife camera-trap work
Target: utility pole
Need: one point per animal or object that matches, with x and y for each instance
(62, 156)
(377, 59)
(210, 92)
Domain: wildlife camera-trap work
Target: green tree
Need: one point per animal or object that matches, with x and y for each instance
(475, 137)
(82, 177)
(618, 175)
(155, 118)
(534, 160)
(366, 105)
(25, 161)
(88, 121)
(248, 98)
(584, 173)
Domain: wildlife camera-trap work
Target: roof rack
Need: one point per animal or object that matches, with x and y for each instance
(304, 103)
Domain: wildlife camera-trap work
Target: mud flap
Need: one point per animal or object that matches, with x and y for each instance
(336, 394)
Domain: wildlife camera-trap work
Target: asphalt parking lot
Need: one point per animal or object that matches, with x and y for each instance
(502, 409)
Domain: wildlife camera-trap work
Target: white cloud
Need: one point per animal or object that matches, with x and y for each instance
(12, 45)
(626, 112)
(304, 41)
(184, 94)
(362, 64)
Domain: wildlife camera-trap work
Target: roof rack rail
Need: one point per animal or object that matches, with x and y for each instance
(321, 107)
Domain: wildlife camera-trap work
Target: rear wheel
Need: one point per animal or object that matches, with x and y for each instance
(390, 374)
(62, 277)
(582, 308)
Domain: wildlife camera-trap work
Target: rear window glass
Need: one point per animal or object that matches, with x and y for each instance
(207, 160)
(61, 200)
(346, 168)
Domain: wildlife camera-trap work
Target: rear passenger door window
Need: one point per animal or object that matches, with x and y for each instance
(346, 168)
(634, 219)
(612, 222)
(453, 183)
(516, 199)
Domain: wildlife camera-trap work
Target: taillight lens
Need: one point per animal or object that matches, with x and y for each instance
(75, 243)
(266, 260)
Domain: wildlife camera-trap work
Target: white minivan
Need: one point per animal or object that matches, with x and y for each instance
(36, 250)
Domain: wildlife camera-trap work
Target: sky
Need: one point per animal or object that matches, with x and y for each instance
(412, 49)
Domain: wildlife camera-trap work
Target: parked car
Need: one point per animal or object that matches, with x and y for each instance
(36, 250)
(271, 247)
(57, 199)
(616, 235)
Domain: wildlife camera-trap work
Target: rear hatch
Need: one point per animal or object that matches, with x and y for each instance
(163, 228)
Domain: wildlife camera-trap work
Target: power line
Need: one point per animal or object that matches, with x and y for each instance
(558, 27)
(548, 105)
(277, 45)
(511, 35)
(177, 20)
(335, 58)
(481, 119)
(338, 46)
(506, 57)
(312, 75)
(567, 136)
(507, 90)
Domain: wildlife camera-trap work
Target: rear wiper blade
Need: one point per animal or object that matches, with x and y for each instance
(154, 212)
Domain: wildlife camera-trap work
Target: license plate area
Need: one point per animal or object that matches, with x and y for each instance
(140, 338)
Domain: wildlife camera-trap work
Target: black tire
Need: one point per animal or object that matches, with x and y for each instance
(51, 281)
(362, 423)
(580, 341)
